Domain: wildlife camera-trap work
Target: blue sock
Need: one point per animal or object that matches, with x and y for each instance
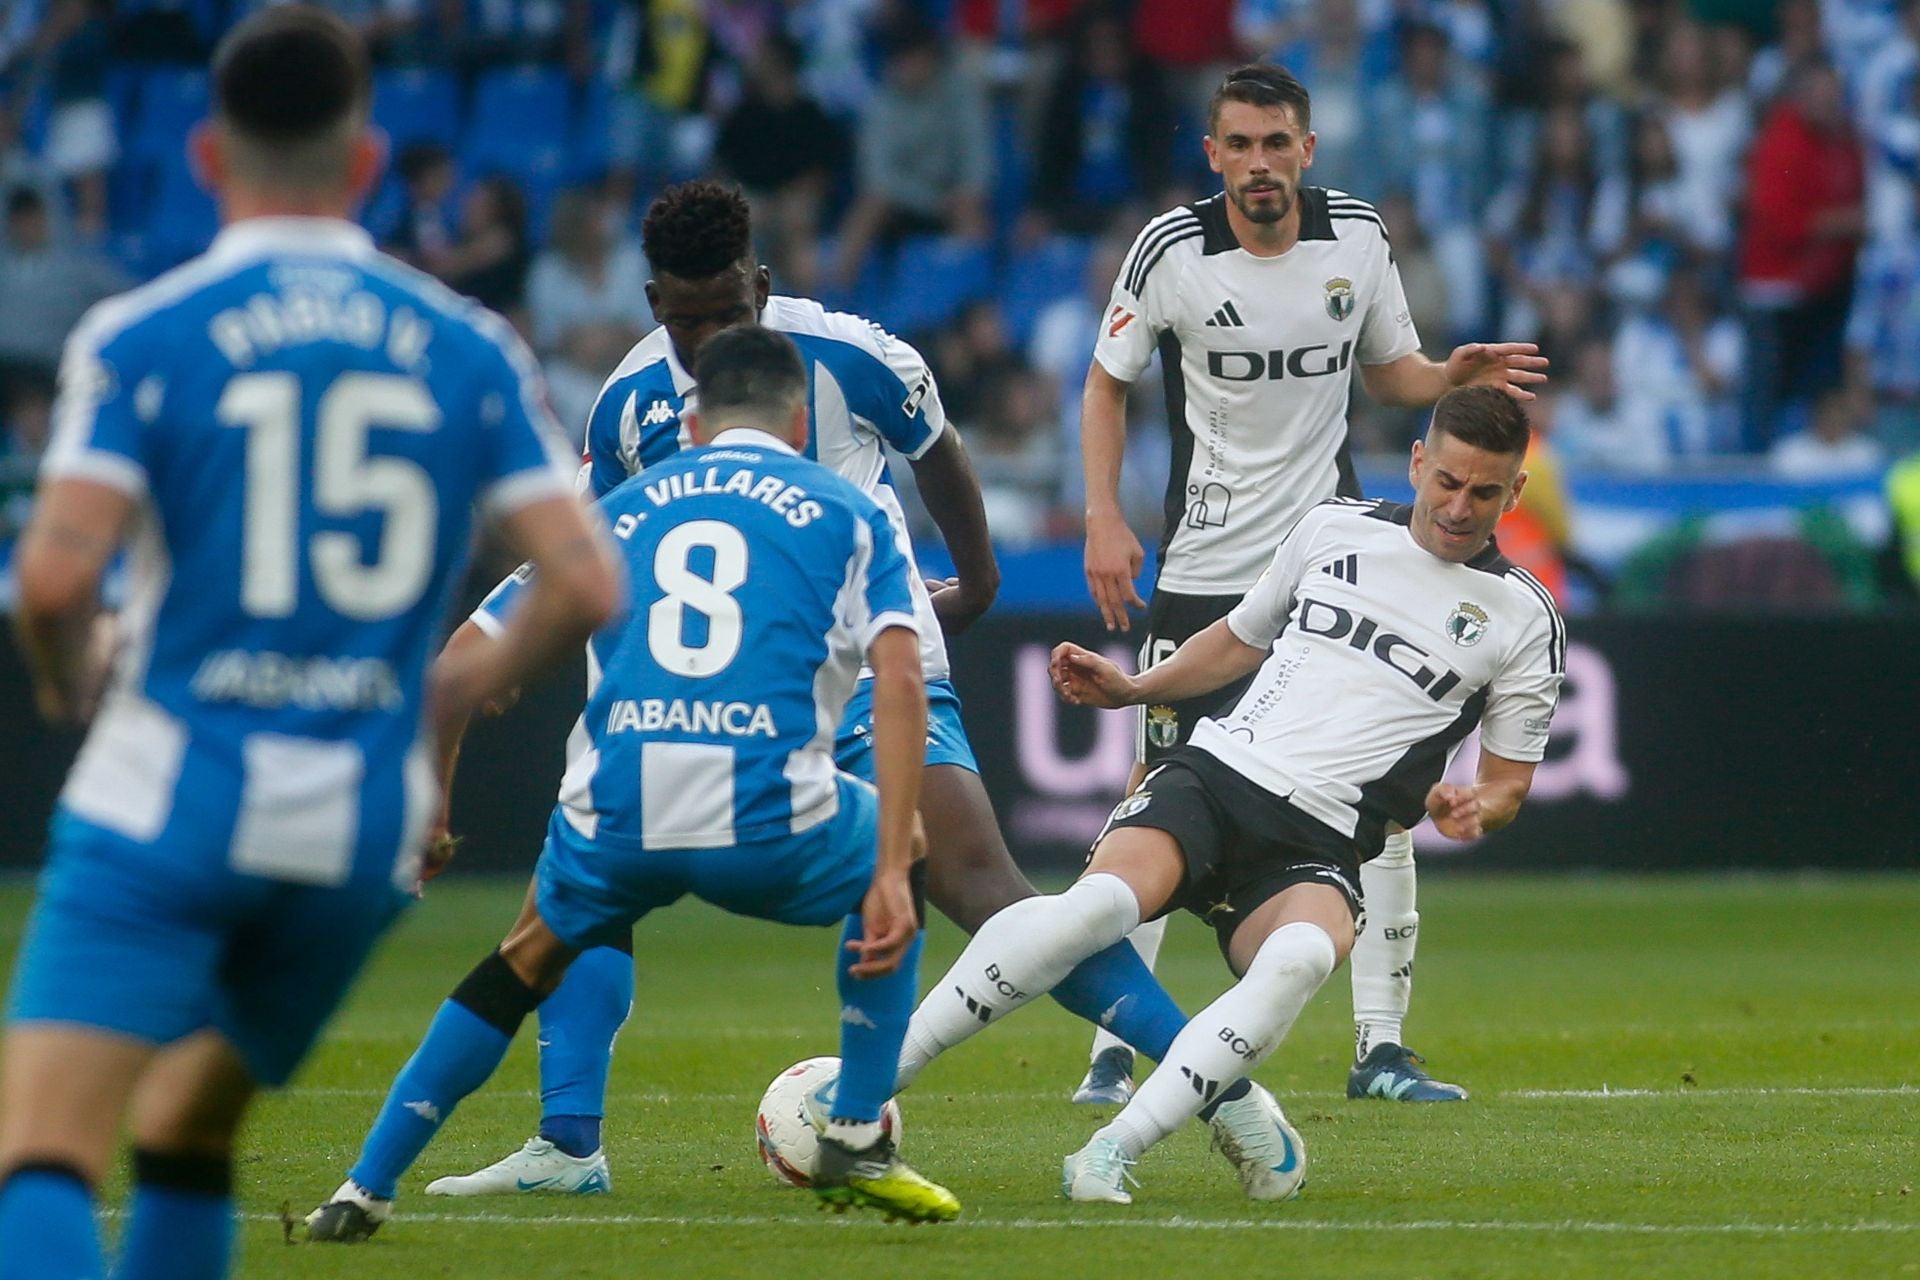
(461, 1050)
(1115, 989)
(47, 1226)
(577, 1025)
(873, 1022)
(179, 1218)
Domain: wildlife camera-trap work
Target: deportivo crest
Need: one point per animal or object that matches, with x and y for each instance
(1163, 726)
(1466, 624)
(1339, 297)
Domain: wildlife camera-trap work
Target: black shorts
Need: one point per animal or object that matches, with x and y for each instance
(1242, 843)
(1173, 619)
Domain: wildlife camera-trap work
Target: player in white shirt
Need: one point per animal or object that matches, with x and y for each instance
(1260, 302)
(1378, 638)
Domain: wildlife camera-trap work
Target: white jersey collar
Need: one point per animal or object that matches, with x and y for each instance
(331, 236)
(751, 438)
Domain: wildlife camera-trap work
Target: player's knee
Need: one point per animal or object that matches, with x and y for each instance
(497, 995)
(187, 1122)
(972, 894)
(1299, 952)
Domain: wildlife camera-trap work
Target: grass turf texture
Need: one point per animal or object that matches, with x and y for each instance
(1773, 1023)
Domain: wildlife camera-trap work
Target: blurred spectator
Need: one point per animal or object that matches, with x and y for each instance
(1887, 90)
(421, 232)
(925, 152)
(1106, 131)
(1563, 218)
(1805, 216)
(969, 354)
(1325, 46)
(397, 32)
(490, 260)
(487, 33)
(81, 143)
(1193, 40)
(178, 31)
(27, 401)
(1883, 335)
(1016, 454)
(658, 65)
(47, 286)
(1664, 213)
(1536, 534)
(832, 35)
(587, 291)
(1708, 124)
(1381, 428)
(1903, 501)
(1431, 137)
(1797, 41)
(1676, 362)
(1837, 444)
(1593, 430)
(785, 151)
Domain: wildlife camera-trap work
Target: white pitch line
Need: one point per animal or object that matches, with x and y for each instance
(1602, 1094)
(1104, 1223)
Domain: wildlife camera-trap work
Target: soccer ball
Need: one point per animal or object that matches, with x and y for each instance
(789, 1145)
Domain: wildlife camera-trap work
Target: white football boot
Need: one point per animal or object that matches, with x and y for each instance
(1099, 1172)
(1266, 1151)
(537, 1167)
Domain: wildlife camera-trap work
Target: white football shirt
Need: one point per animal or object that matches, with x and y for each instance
(1257, 355)
(1383, 658)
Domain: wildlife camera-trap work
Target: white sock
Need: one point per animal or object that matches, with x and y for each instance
(854, 1135)
(1229, 1037)
(1383, 954)
(1146, 940)
(1017, 955)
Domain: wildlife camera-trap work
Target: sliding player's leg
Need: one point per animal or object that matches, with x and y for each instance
(1383, 984)
(1284, 949)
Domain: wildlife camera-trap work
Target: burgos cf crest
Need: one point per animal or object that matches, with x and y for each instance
(1466, 624)
(1163, 726)
(1339, 297)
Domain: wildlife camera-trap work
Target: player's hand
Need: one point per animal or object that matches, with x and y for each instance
(1087, 679)
(1455, 811)
(1511, 366)
(1113, 561)
(887, 926)
(955, 605)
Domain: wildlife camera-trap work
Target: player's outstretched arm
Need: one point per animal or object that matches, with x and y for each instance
(899, 760)
(1467, 813)
(1114, 555)
(1207, 661)
(77, 525)
(576, 587)
(951, 492)
(1414, 380)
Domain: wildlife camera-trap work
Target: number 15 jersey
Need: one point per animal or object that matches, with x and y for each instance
(306, 426)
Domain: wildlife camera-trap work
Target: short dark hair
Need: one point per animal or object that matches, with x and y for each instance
(291, 74)
(1484, 417)
(697, 229)
(749, 369)
(1263, 85)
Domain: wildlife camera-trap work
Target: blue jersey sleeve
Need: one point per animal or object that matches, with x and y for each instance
(106, 403)
(641, 407)
(889, 386)
(605, 467)
(887, 591)
(524, 459)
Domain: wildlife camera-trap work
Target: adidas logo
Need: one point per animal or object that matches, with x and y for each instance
(1226, 317)
(984, 1012)
(1347, 570)
(1201, 1085)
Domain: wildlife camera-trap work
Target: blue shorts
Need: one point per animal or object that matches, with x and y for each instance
(946, 733)
(155, 943)
(590, 895)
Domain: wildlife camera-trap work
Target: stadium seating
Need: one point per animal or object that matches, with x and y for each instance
(1038, 276)
(417, 104)
(520, 123)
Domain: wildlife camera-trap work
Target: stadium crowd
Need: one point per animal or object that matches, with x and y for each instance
(1703, 211)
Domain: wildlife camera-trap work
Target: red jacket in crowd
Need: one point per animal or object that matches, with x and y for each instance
(1797, 175)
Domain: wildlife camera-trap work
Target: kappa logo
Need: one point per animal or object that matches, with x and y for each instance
(1466, 624)
(1339, 297)
(658, 412)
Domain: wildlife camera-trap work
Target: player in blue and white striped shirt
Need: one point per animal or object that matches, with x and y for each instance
(762, 583)
(292, 433)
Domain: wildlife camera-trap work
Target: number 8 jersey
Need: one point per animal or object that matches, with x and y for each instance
(759, 580)
(308, 426)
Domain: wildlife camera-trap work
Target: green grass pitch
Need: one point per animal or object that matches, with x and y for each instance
(1677, 1077)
